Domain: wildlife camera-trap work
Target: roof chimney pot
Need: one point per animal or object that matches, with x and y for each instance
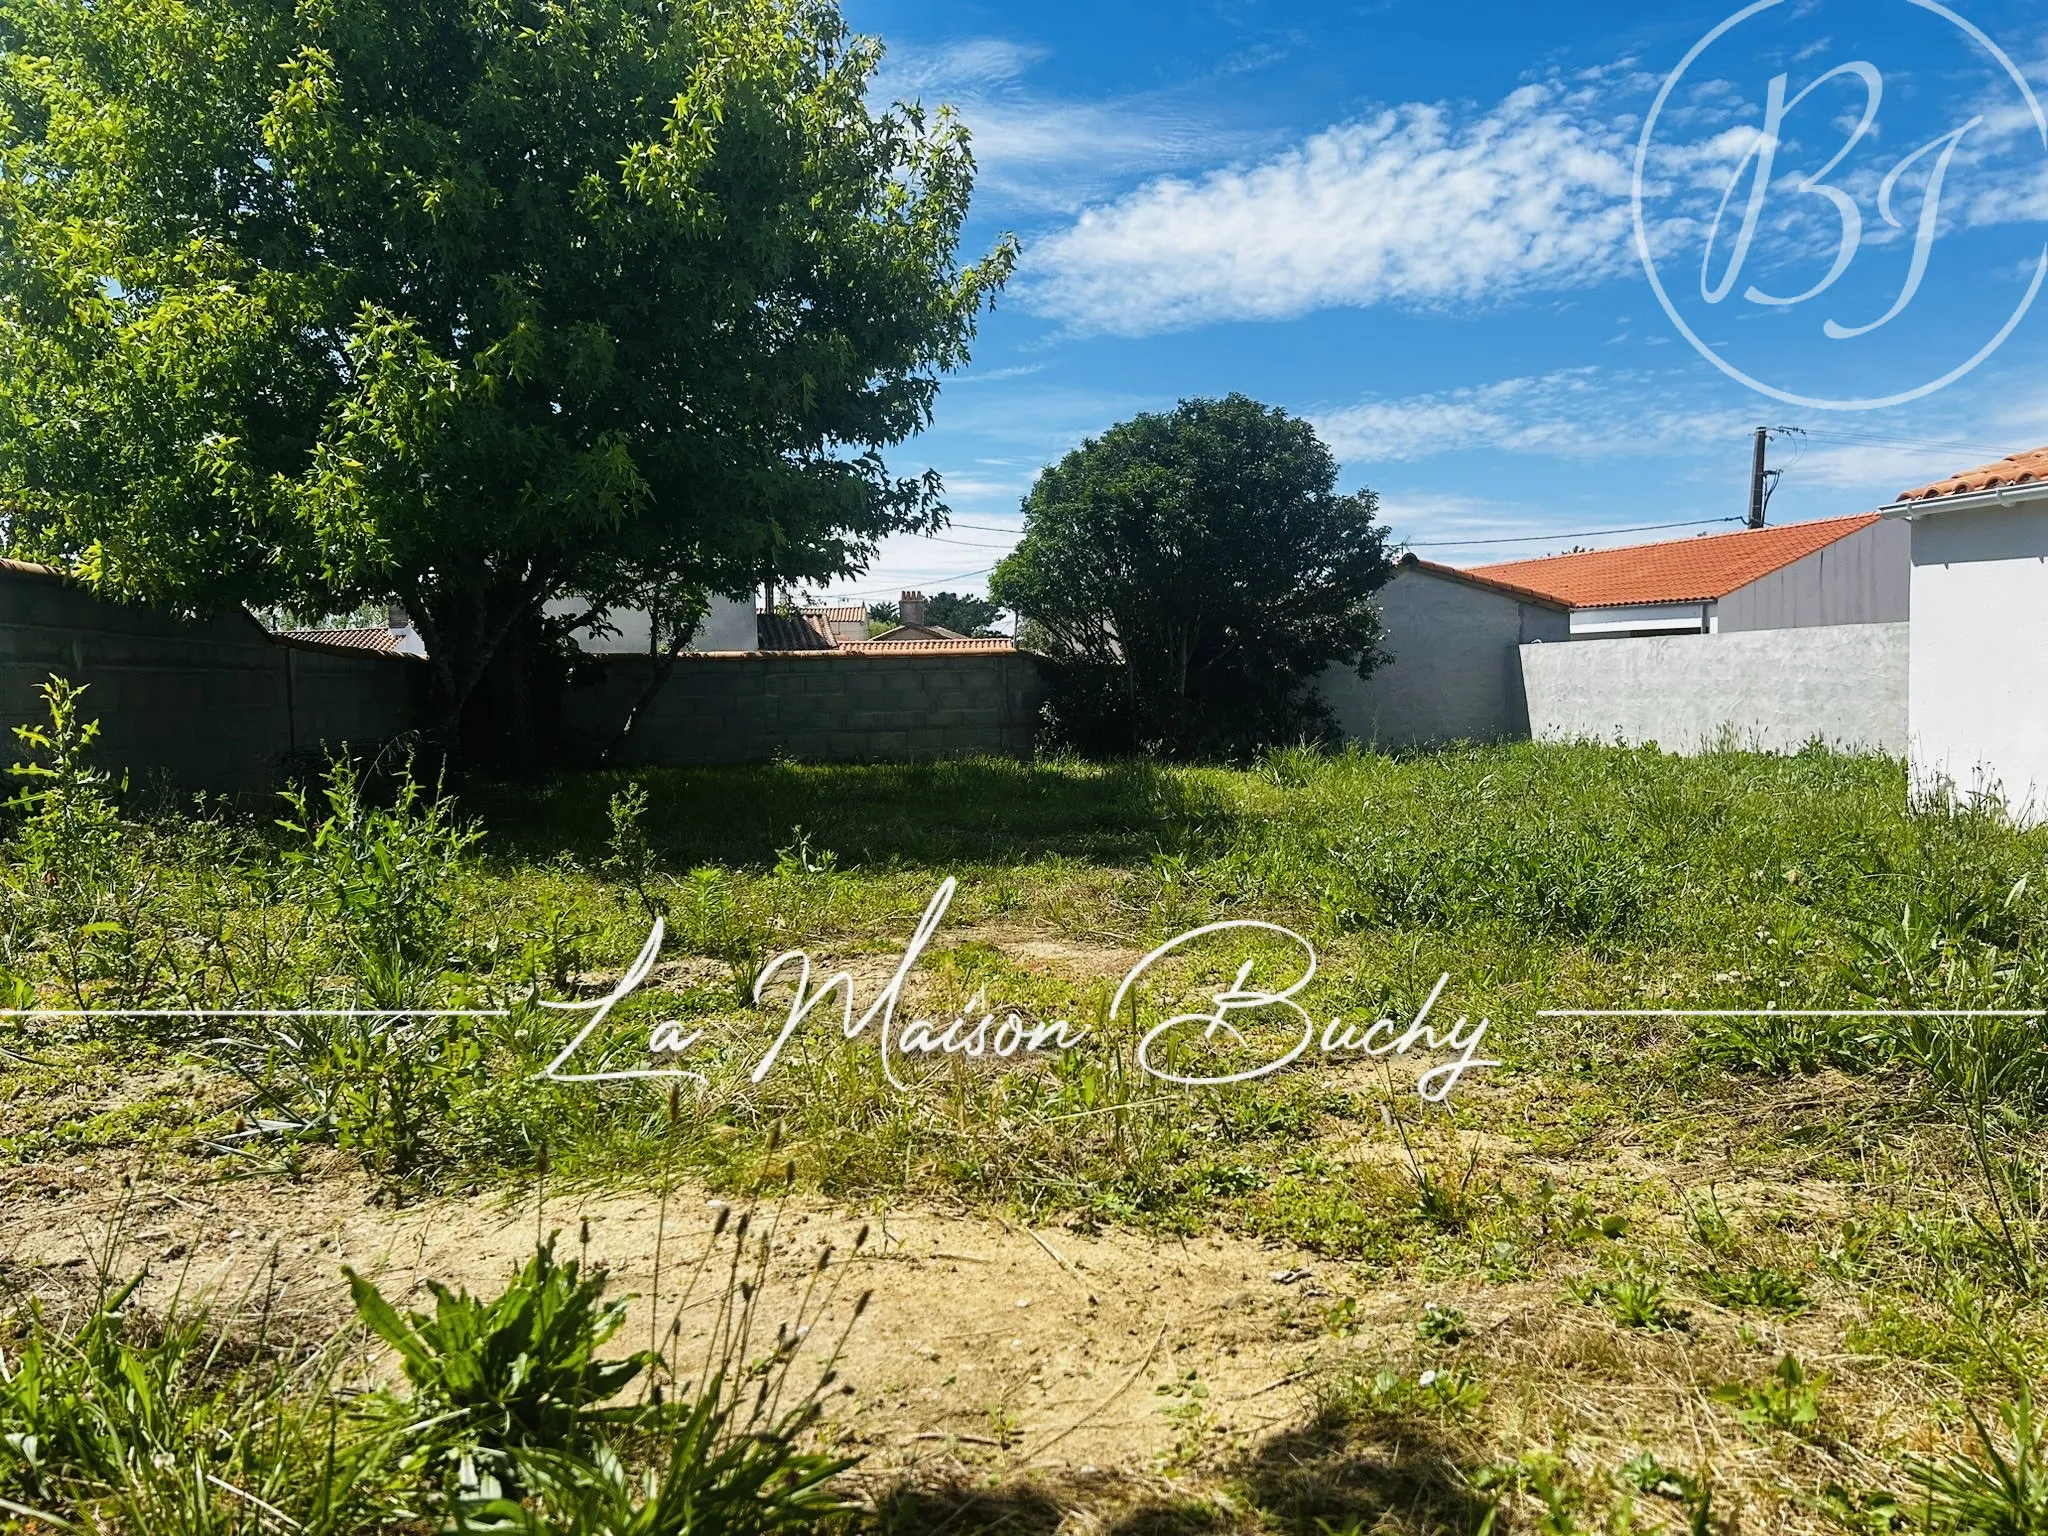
(911, 609)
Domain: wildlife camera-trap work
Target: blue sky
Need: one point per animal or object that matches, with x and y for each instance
(1411, 221)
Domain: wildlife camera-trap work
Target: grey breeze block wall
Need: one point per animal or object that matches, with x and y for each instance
(818, 706)
(1452, 671)
(1765, 690)
(216, 705)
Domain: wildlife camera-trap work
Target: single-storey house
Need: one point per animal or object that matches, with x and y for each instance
(1455, 639)
(1453, 668)
(1979, 648)
(845, 629)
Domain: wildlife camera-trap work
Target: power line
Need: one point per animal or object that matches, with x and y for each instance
(929, 581)
(1592, 533)
(1851, 439)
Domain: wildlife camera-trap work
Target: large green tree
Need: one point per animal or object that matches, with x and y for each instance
(1189, 574)
(467, 304)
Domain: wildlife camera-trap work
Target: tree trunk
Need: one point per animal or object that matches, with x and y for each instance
(482, 647)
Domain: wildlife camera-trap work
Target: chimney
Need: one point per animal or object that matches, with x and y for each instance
(396, 618)
(911, 609)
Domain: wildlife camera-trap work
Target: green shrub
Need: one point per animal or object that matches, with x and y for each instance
(383, 876)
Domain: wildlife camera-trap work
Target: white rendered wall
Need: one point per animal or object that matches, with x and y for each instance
(727, 626)
(1771, 690)
(1979, 712)
(1451, 671)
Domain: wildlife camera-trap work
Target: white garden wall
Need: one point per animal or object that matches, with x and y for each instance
(1770, 690)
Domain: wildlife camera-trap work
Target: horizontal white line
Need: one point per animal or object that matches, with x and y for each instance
(255, 1013)
(1792, 1013)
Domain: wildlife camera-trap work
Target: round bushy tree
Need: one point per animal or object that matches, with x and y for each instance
(467, 304)
(1189, 574)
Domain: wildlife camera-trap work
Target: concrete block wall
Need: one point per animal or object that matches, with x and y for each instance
(216, 705)
(1767, 690)
(818, 706)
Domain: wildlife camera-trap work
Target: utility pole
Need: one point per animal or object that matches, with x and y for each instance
(1759, 478)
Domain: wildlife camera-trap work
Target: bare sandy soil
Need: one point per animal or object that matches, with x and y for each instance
(983, 1340)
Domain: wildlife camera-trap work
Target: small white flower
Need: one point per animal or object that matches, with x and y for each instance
(1426, 1379)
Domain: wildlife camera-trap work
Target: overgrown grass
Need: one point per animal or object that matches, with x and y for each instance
(508, 1418)
(1539, 879)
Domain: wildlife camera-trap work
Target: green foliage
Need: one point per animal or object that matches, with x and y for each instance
(1759, 1286)
(1392, 1393)
(1442, 1325)
(2003, 1491)
(961, 612)
(70, 882)
(520, 1372)
(299, 310)
(629, 856)
(146, 1423)
(1634, 1297)
(1788, 1401)
(382, 874)
(186, 1424)
(1190, 574)
(386, 1089)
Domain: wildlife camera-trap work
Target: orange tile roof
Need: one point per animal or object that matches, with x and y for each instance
(958, 645)
(1415, 562)
(1676, 571)
(351, 638)
(2017, 469)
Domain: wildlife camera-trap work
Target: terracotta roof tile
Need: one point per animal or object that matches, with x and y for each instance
(1415, 562)
(2016, 469)
(353, 639)
(791, 632)
(1676, 571)
(958, 646)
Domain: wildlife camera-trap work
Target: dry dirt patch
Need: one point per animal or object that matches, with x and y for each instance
(984, 1341)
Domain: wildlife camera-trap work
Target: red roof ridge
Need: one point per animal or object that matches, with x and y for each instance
(958, 645)
(2014, 469)
(1673, 571)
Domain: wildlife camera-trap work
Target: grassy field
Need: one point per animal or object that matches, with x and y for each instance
(1701, 1274)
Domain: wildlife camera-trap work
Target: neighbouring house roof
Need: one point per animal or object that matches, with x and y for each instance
(843, 621)
(904, 633)
(379, 638)
(1472, 579)
(2028, 468)
(949, 645)
(813, 629)
(792, 632)
(28, 568)
(1676, 571)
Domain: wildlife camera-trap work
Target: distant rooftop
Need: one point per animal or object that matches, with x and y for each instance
(2015, 469)
(1676, 571)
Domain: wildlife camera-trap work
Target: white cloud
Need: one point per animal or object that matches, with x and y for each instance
(1579, 413)
(1416, 206)
(1039, 154)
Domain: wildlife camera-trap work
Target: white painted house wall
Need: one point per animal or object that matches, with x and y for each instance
(728, 625)
(1453, 671)
(1978, 717)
